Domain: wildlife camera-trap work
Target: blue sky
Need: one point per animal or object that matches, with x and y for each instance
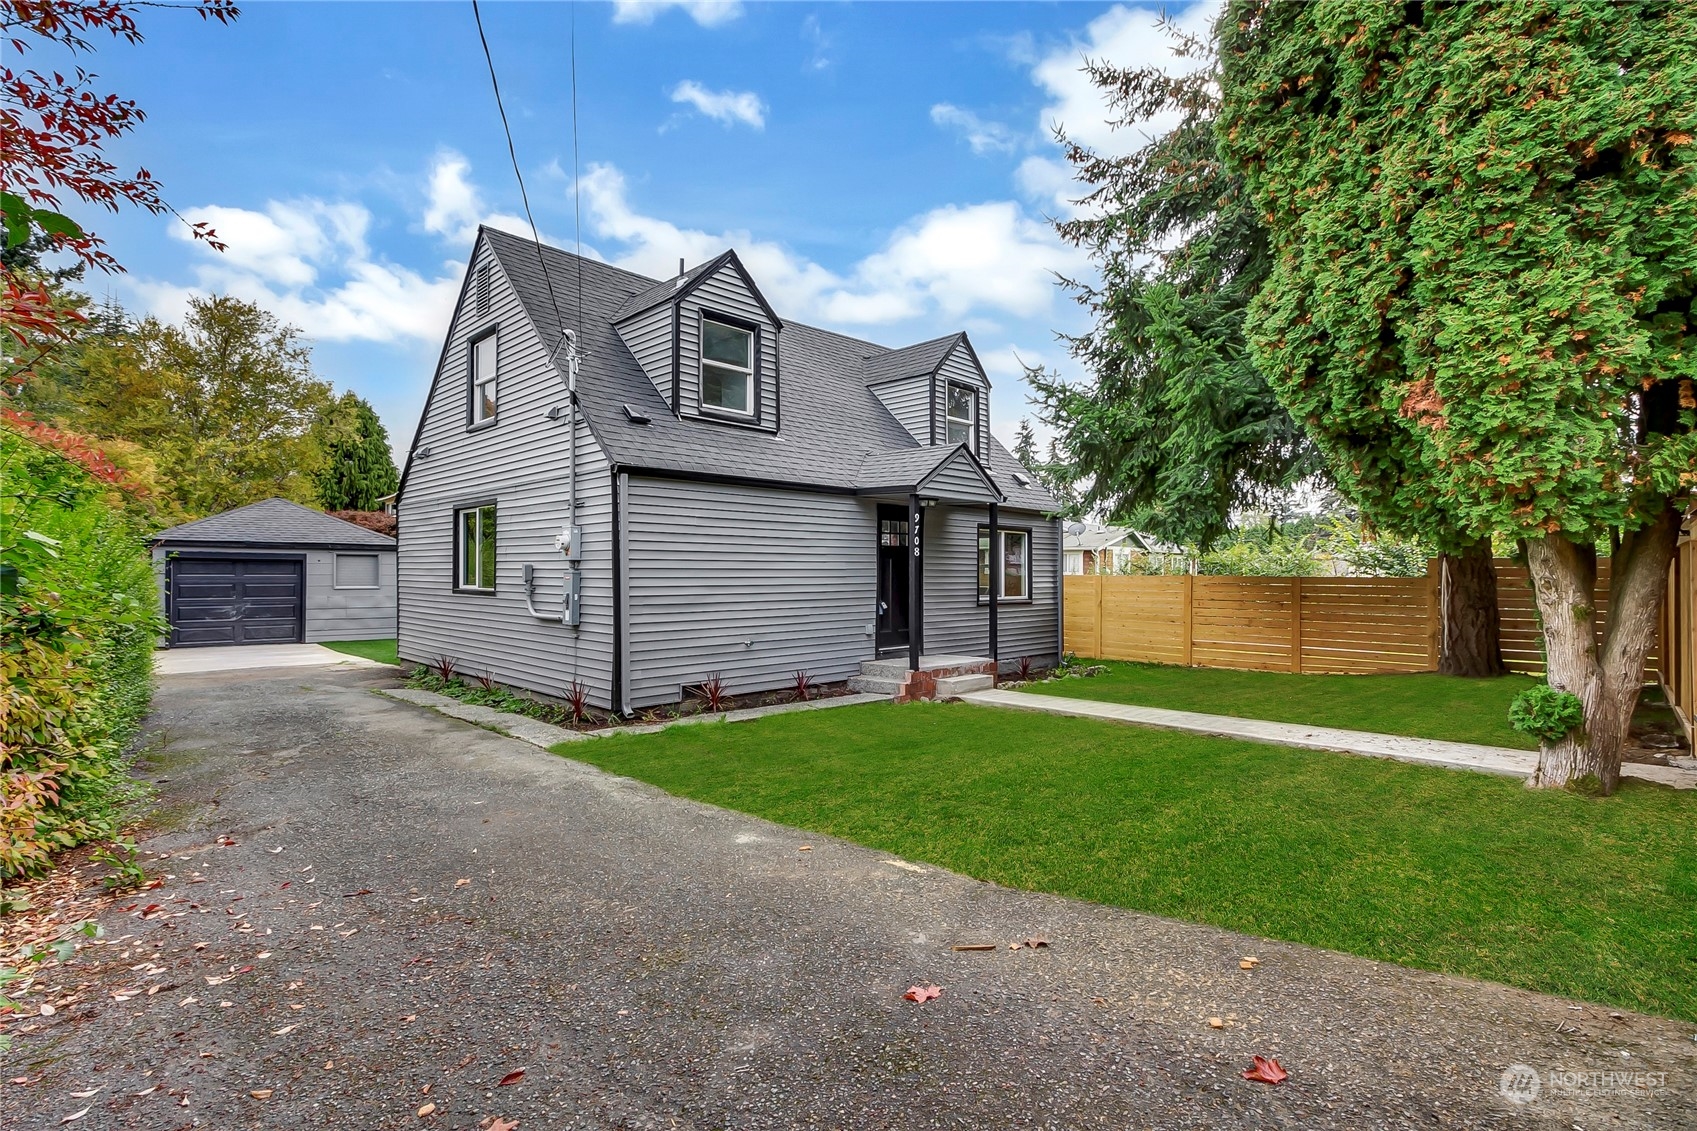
(884, 169)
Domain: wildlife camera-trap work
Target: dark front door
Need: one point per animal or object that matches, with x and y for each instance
(235, 601)
(894, 562)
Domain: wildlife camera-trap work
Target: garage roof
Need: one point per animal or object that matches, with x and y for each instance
(274, 522)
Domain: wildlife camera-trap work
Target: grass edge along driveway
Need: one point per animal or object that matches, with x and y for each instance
(1443, 870)
(383, 651)
(1420, 704)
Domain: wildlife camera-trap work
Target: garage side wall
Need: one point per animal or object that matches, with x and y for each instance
(348, 611)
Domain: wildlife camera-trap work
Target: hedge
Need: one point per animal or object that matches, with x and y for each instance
(79, 617)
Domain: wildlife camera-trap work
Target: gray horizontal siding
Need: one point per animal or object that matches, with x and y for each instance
(954, 620)
(909, 401)
(521, 465)
(959, 480)
(649, 338)
(751, 583)
(959, 368)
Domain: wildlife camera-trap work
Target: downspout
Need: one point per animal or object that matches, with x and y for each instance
(1060, 592)
(993, 553)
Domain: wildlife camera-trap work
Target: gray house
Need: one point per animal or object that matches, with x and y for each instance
(727, 493)
(275, 572)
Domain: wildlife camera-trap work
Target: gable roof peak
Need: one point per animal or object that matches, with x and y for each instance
(679, 287)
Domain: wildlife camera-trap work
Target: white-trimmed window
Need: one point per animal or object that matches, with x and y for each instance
(1011, 566)
(727, 367)
(355, 571)
(484, 392)
(962, 415)
(475, 553)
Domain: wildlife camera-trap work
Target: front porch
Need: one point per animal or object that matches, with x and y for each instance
(934, 677)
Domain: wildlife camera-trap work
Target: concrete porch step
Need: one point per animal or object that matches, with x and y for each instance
(876, 685)
(939, 666)
(954, 686)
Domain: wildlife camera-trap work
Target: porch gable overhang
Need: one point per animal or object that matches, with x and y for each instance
(949, 474)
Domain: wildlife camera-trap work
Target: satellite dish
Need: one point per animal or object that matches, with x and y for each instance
(1076, 529)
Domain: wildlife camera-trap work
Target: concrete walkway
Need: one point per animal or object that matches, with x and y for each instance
(239, 657)
(1451, 755)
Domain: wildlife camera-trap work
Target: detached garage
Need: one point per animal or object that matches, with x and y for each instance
(275, 573)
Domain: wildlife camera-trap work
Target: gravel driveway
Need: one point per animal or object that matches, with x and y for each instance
(369, 909)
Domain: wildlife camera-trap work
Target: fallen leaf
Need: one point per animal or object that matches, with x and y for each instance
(512, 1077)
(805, 848)
(84, 1095)
(1266, 1071)
(1036, 941)
(74, 1116)
(352, 894)
(146, 1091)
(469, 1057)
(275, 851)
(1249, 963)
(47, 1010)
(426, 1110)
(263, 954)
(261, 1093)
(503, 1124)
(409, 1018)
(284, 1031)
(190, 1000)
(1216, 1023)
(461, 883)
(975, 946)
(923, 993)
(329, 1064)
(425, 1090)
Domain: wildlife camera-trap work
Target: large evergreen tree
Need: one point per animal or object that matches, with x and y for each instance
(1484, 219)
(1178, 429)
(1175, 429)
(356, 468)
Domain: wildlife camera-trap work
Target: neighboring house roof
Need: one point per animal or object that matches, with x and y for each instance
(1108, 537)
(273, 522)
(830, 421)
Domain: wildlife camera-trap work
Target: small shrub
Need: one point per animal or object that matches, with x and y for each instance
(487, 682)
(577, 701)
(803, 686)
(445, 667)
(120, 856)
(1546, 713)
(1024, 669)
(714, 693)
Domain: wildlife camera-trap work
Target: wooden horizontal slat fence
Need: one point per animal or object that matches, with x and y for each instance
(1291, 624)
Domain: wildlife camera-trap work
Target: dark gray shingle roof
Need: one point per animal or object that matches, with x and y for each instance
(829, 420)
(276, 522)
(910, 361)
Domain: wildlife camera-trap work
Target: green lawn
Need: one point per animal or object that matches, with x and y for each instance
(1426, 705)
(383, 651)
(1433, 868)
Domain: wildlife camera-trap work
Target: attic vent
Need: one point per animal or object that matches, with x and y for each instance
(1022, 479)
(634, 416)
(483, 290)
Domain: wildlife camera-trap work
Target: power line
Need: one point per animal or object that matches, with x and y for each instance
(536, 238)
(577, 208)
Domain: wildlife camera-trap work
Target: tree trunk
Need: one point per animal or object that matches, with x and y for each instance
(1606, 678)
(1472, 623)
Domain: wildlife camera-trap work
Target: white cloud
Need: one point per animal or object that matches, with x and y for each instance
(983, 136)
(454, 207)
(727, 106)
(988, 259)
(707, 13)
(1126, 38)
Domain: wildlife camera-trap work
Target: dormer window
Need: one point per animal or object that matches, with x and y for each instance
(963, 415)
(727, 367)
(483, 385)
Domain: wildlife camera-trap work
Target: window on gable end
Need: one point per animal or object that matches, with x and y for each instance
(485, 358)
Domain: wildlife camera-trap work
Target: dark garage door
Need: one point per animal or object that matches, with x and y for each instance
(235, 601)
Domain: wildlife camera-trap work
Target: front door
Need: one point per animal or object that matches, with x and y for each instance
(893, 565)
